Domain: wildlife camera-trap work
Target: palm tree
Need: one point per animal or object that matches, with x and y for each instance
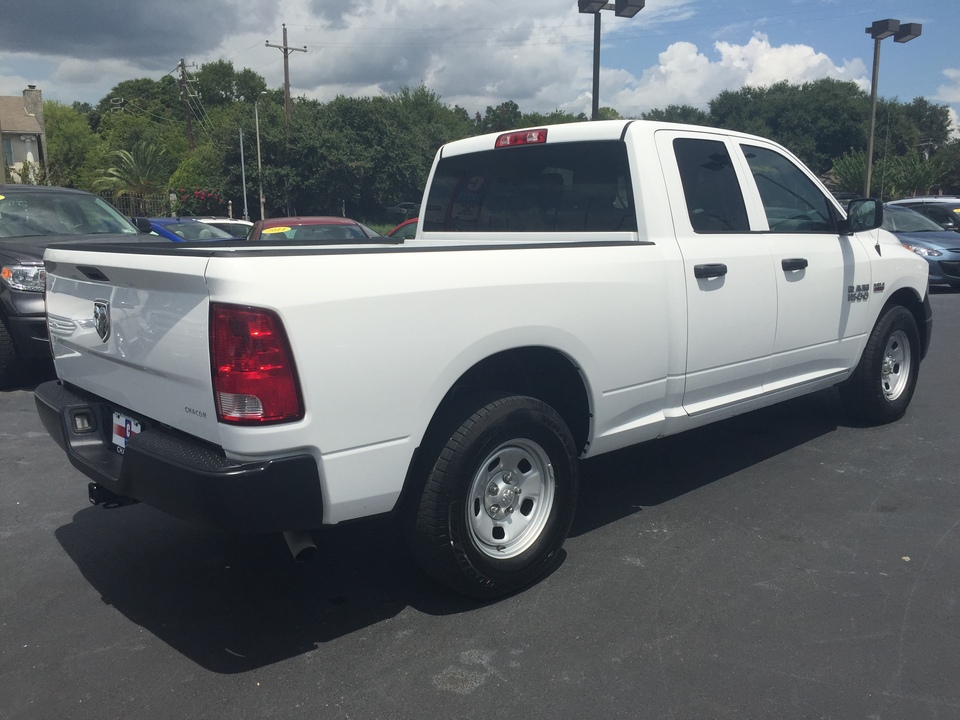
(144, 171)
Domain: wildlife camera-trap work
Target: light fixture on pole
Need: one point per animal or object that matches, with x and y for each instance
(901, 33)
(256, 120)
(621, 8)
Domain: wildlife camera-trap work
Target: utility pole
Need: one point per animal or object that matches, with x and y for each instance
(3, 160)
(286, 49)
(185, 96)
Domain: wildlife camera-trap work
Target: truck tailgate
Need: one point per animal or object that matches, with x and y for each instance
(132, 329)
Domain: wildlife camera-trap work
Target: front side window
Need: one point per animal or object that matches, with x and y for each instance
(791, 200)
(710, 186)
(560, 187)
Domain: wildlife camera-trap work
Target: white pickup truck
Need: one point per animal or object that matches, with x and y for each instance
(571, 290)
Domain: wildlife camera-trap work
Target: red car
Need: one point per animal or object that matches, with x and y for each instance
(405, 230)
(325, 230)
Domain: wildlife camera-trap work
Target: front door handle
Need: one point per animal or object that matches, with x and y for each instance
(709, 270)
(793, 263)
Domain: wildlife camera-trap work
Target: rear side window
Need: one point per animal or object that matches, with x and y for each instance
(710, 186)
(560, 187)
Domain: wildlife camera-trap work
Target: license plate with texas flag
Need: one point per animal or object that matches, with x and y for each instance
(124, 428)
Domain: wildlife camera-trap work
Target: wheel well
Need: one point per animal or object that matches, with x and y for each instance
(543, 373)
(907, 298)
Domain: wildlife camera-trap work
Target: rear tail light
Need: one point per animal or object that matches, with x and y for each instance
(254, 378)
(522, 137)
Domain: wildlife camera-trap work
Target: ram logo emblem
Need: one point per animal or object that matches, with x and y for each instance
(101, 318)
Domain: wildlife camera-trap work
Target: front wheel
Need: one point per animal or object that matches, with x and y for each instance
(882, 385)
(498, 500)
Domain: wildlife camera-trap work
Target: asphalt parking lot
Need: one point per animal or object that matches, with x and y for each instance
(784, 564)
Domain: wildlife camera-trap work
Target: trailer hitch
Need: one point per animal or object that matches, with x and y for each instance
(99, 495)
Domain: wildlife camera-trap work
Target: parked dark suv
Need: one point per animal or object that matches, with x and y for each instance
(942, 209)
(31, 218)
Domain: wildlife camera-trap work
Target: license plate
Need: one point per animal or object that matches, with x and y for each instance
(124, 428)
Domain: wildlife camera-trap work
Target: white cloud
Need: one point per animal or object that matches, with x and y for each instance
(950, 93)
(766, 65)
(685, 76)
(954, 123)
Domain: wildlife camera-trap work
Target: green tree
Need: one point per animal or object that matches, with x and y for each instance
(819, 121)
(608, 113)
(158, 100)
(143, 171)
(686, 114)
(72, 147)
(551, 118)
(949, 156)
(932, 122)
(505, 116)
(849, 172)
(219, 84)
(912, 174)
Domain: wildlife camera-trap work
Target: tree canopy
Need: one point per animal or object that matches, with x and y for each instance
(357, 155)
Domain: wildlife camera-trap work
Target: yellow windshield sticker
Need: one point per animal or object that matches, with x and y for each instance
(271, 231)
(1, 197)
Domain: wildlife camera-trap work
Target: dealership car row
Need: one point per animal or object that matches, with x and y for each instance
(34, 217)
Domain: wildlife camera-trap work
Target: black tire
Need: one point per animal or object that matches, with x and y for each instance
(8, 358)
(498, 500)
(882, 385)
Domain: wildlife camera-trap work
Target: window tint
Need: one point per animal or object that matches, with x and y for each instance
(791, 200)
(563, 187)
(710, 186)
(24, 214)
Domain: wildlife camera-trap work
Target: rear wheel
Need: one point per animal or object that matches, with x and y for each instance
(882, 385)
(498, 500)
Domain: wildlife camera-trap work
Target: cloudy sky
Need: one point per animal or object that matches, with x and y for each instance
(476, 53)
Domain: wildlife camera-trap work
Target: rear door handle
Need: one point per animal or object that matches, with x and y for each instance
(793, 263)
(709, 270)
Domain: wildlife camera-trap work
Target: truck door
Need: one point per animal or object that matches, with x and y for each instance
(823, 278)
(730, 285)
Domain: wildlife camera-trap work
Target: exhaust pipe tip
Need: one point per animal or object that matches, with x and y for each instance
(301, 545)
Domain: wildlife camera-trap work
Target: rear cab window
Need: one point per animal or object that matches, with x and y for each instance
(548, 188)
(710, 186)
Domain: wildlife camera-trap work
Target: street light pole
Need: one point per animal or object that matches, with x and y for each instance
(595, 115)
(622, 8)
(880, 29)
(256, 120)
(243, 179)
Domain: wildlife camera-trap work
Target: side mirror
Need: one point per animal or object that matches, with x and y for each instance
(143, 225)
(862, 214)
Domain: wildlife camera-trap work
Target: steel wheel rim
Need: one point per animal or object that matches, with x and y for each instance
(510, 499)
(895, 368)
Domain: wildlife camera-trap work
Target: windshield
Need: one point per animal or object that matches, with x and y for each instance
(41, 214)
(193, 230)
(903, 220)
